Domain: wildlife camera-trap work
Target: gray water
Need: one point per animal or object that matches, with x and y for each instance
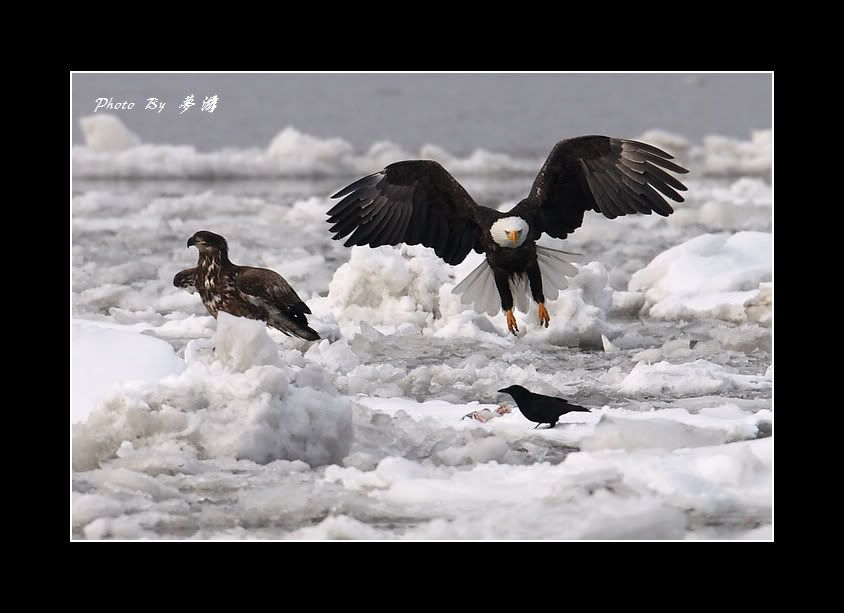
(521, 114)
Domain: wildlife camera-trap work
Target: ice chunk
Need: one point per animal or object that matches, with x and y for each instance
(712, 275)
(231, 404)
(724, 155)
(693, 378)
(614, 433)
(103, 357)
(297, 151)
(106, 133)
(242, 343)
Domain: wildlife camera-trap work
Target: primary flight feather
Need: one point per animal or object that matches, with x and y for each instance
(418, 202)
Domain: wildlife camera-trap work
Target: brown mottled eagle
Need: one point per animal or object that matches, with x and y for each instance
(419, 202)
(256, 293)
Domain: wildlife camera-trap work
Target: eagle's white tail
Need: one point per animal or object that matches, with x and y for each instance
(478, 288)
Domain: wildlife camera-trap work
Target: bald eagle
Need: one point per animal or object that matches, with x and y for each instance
(256, 293)
(419, 202)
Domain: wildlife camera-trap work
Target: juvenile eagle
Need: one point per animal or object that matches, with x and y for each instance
(256, 293)
(419, 202)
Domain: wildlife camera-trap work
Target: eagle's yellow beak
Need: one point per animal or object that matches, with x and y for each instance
(513, 236)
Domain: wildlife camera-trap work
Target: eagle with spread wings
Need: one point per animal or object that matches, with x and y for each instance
(244, 291)
(419, 202)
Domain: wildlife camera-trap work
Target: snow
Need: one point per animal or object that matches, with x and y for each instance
(102, 357)
(719, 155)
(607, 495)
(225, 429)
(723, 155)
(676, 144)
(233, 400)
(107, 134)
(603, 428)
(298, 152)
(388, 286)
(408, 290)
(112, 150)
(745, 204)
(711, 275)
(692, 378)
(242, 343)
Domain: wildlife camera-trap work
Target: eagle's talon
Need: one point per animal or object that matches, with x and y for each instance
(544, 318)
(512, 326)
(575, 178)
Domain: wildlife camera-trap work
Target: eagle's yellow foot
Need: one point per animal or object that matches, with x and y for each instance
(544, 318)
(512, 326)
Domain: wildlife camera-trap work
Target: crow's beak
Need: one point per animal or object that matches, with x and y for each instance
(505, 390)
(191, 242)
(513, 236)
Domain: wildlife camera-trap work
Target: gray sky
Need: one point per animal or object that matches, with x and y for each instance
(515, 113)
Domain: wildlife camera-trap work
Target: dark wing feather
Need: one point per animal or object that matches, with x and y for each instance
(415, 202)
(186, 279)
(266, 285)
(611, 176)
(558, 406)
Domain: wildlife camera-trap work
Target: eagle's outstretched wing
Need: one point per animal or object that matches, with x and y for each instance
(608, 175)
(413, 202)
(186, 279)
(269, 289)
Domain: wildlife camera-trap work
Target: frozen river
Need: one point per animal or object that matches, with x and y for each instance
(673, 354)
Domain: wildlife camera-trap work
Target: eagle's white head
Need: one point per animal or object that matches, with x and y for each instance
(510, 232)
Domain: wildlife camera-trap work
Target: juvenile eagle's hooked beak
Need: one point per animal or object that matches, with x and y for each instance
(513, 236)
(191, 242)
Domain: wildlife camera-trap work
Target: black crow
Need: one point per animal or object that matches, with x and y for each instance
(540, 408)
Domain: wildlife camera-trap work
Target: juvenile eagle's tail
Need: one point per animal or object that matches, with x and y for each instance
(291, 320)
(478, 288)
(307, 333)
(294, 328)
